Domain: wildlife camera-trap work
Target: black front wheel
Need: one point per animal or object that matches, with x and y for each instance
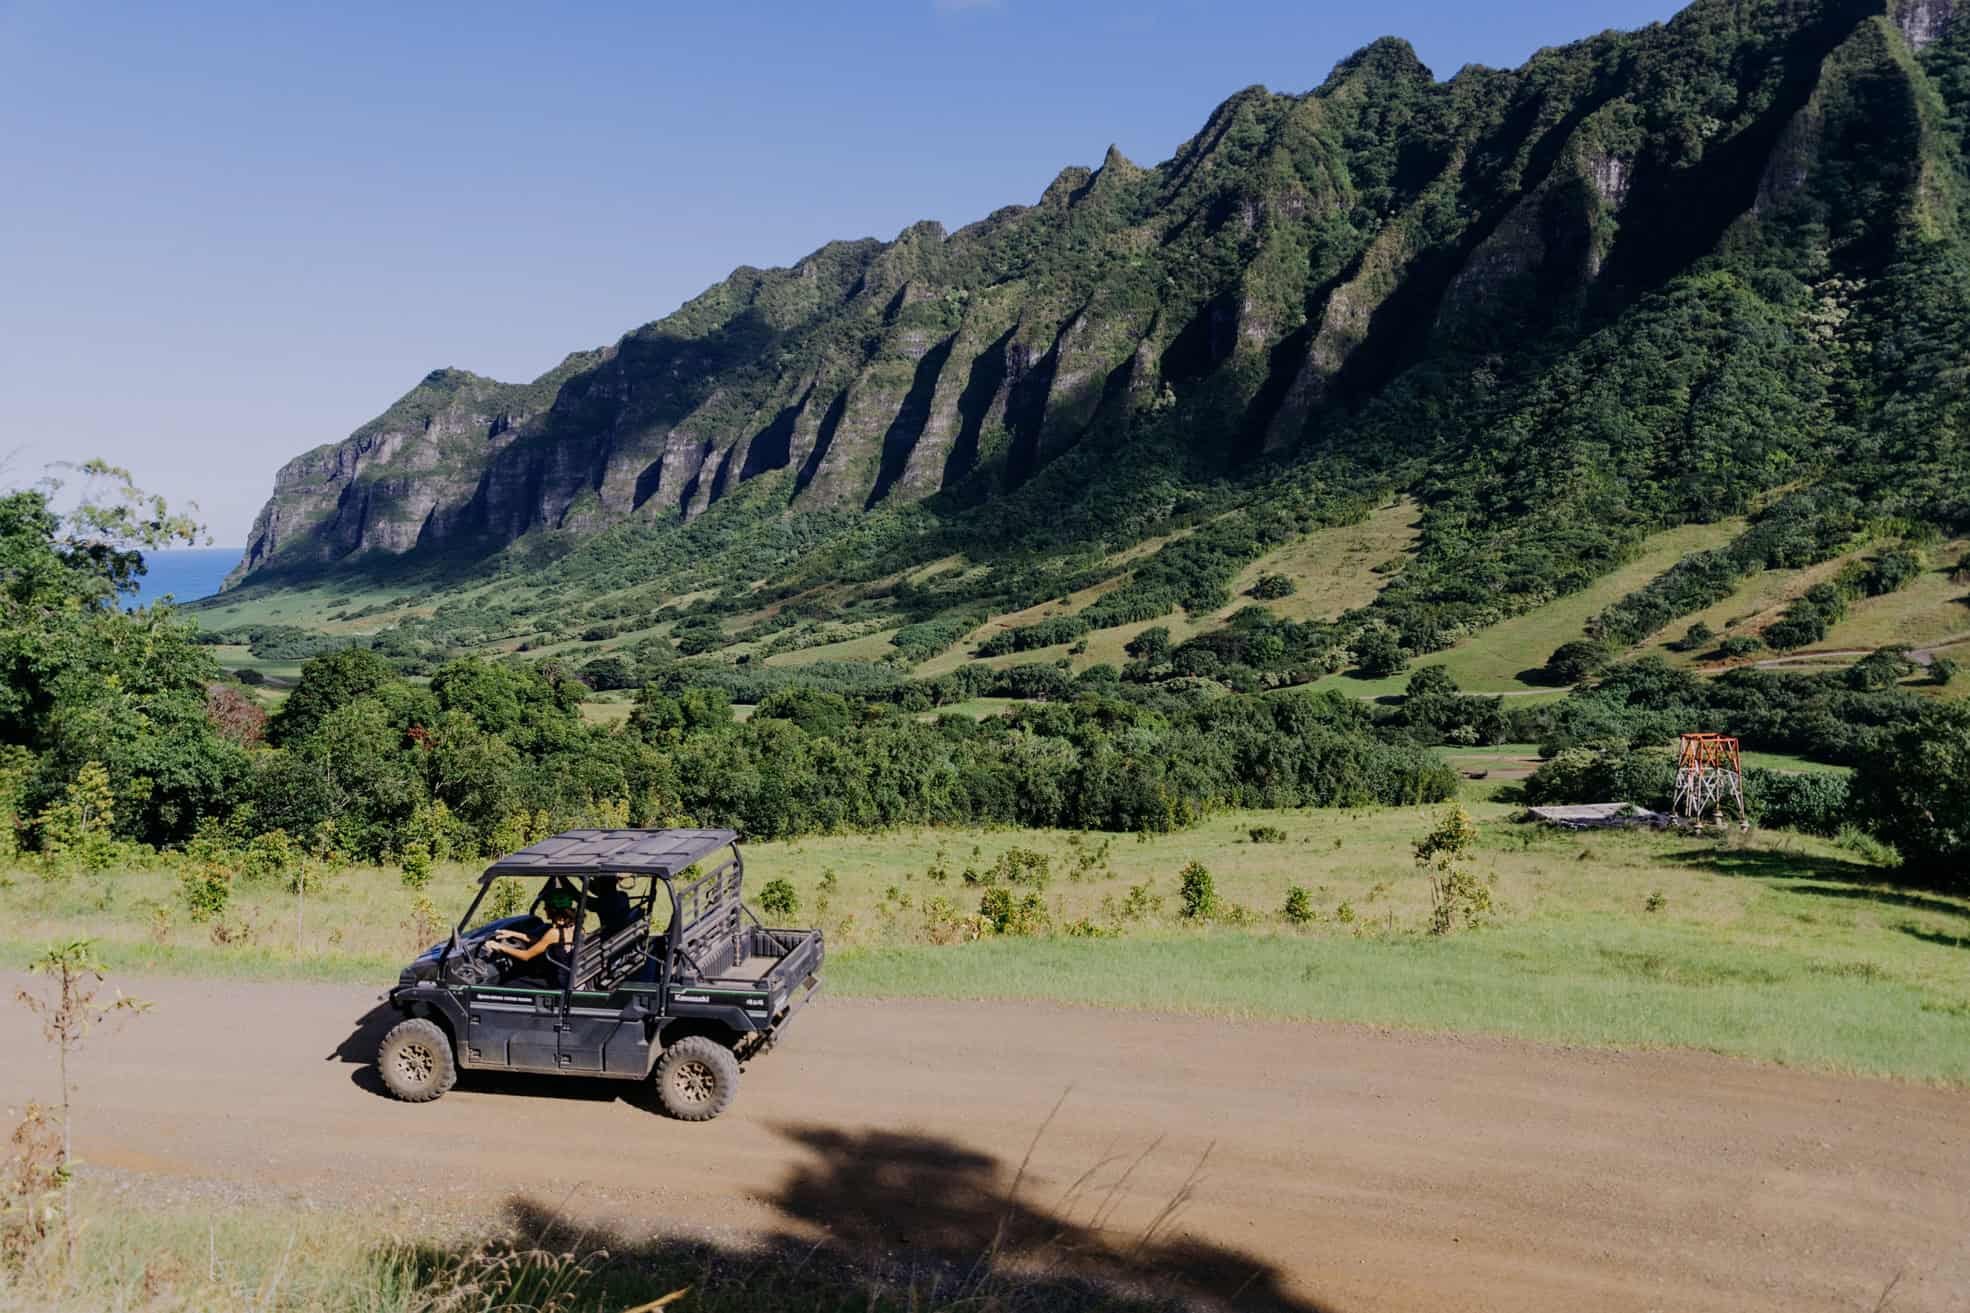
(415, 1061)
(697, 1078)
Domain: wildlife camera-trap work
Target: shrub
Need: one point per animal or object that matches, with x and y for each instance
(1866, 847)
(273, 856)
(1883, 668)
(78, 826)
(1603, 773)
(1272, 587)
(505, 898)
(1739, 646)
(1379, 653)
(1267, 834)
(1816, 802)
(1574, 662)
(1009, 916)
(1456, 894)
(921, 641)
(1914, 786)
(1299, 906)
(1198, 893)
(1655, 902)
(416, 864)
(1046, 633)
(1889, 571)
(778, 898)
(1141, 903)
(205, 886)
(1693, 638)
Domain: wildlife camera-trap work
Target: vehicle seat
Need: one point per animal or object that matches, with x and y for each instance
(604, 962)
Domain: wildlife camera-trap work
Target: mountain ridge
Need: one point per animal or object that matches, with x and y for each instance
(1645, 277)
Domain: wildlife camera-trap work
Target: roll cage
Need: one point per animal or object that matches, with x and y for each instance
(707, 914)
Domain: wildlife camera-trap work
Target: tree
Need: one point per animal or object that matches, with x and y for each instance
(94, 553)
(1574, 662)
(83, 681)
(1379, 653)
(68, 1015)
(1915, 786)
(236, 717)
(1431, 682)
(329, 681)
(1456, 894)
(78, 826)
(1881, 669)
(1694, 637)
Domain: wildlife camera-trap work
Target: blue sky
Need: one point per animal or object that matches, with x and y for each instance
(232, 232)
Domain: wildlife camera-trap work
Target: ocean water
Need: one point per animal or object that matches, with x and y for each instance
(187, 574)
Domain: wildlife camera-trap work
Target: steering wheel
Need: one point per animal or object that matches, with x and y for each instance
(474, 964)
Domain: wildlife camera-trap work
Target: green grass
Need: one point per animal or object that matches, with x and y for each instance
(976, 708)
(1496, 659)
(1778, 947)
(1929, 610)
(866, 647)
(1786, 761)
(1626, 986)
(1333, 571)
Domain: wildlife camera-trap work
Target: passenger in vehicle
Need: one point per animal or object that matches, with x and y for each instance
(611, 903)
(556, 943)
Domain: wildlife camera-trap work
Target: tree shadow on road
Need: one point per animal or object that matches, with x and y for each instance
(885, 1220)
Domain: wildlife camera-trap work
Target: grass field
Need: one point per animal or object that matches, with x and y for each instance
(1777, 947)
(1497, 659)
(867, 647)
(1930, 609)
(1333, 571)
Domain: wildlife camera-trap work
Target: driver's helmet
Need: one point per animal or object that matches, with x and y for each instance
(559, 900)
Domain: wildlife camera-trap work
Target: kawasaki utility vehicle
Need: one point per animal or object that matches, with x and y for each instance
(655, 969)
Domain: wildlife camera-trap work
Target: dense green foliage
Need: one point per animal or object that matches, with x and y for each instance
(1608, 742)
(115, 730)
(91, 692)
(1915, 787)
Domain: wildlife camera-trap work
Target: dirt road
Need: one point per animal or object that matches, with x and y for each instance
(1347, 1169)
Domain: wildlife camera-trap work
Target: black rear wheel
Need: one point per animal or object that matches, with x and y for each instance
(415, 1061)
(697, 1078)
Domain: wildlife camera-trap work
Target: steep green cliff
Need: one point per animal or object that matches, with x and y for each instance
(1649, 277)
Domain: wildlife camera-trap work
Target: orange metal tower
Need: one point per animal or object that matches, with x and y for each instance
(1709, 770)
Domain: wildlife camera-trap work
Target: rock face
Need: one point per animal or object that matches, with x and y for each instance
(1288, 261)
(1923, 21)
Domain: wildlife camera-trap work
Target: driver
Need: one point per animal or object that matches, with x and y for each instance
(556, 942)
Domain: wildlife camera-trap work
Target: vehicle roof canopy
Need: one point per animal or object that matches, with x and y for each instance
(628, 852)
